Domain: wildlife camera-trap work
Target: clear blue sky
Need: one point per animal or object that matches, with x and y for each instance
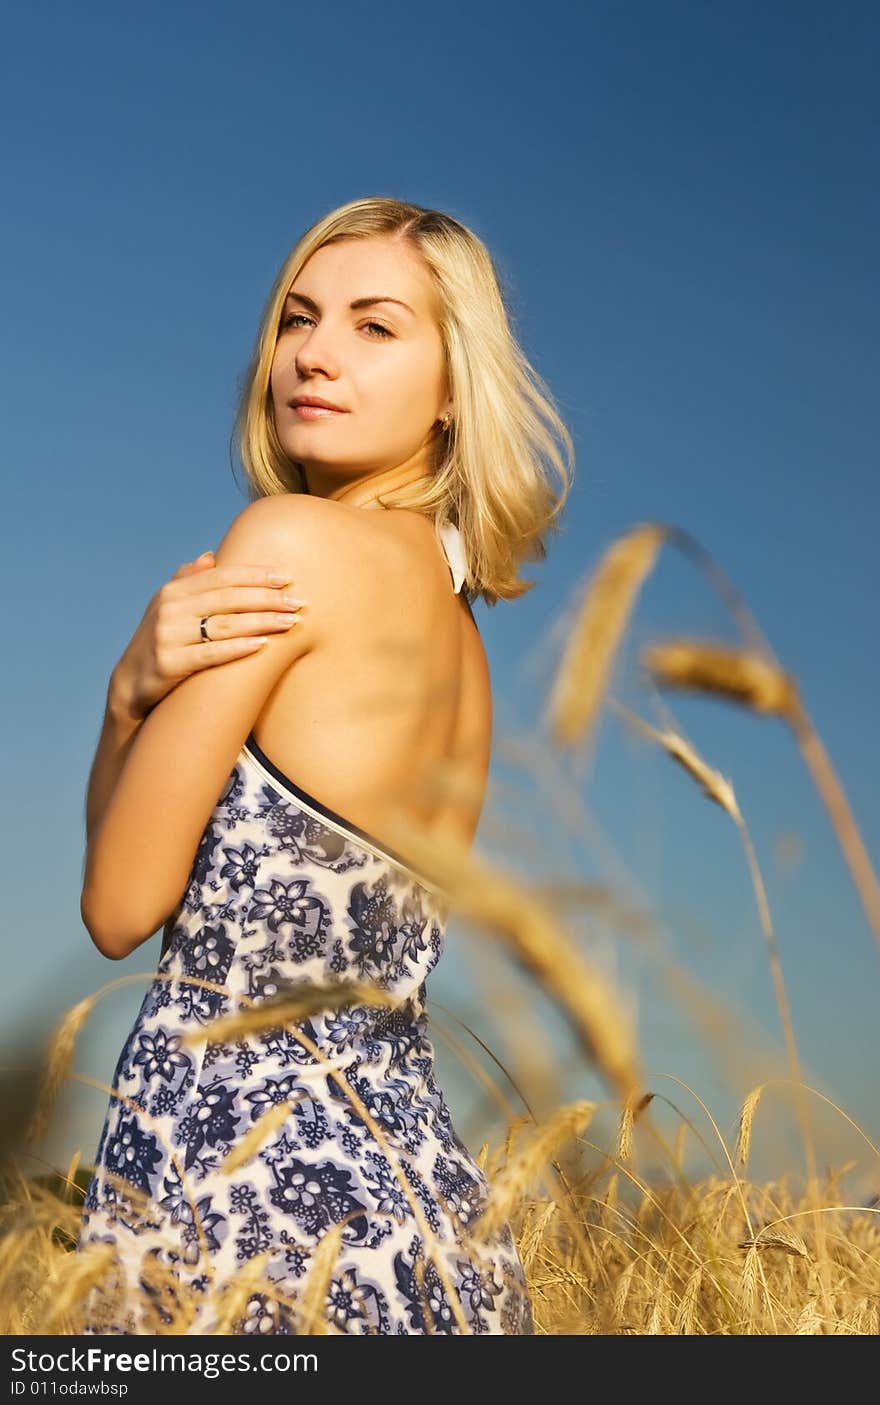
(682, 199)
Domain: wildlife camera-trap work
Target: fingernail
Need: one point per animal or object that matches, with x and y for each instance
(204, 554)
(279, 578)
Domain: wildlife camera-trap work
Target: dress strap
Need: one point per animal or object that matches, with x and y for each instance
(453, 548)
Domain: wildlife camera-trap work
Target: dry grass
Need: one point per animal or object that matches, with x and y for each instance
(717, 1256)
(607, 1250)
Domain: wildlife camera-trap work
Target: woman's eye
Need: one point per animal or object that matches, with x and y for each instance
(292, 317)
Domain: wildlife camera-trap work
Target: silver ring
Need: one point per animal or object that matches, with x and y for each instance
(205, 635)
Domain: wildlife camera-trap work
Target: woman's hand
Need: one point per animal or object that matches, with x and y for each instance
(241, 602)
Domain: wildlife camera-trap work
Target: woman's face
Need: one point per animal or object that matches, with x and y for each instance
(382, 365)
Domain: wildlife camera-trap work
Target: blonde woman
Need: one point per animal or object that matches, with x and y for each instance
(397, 445)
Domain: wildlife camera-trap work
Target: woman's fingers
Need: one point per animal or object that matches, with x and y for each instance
(222, 628)
(179, 663)
(241, 606)
(237, 599)
(228, 590)
(229, 636)
(204, 562)
(244, 587)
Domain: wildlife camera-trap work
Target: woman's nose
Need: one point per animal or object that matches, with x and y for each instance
(316, 352)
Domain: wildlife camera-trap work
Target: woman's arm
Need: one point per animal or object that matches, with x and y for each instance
(161, 653)
(171, 771)
(117, 734)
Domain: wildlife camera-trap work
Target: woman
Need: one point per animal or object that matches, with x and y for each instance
(425, 459)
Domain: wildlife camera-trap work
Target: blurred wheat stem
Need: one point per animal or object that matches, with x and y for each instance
(719, 789)
(294, 1002)
(298, 1003)
(467, 1060)
(60, 1052)
(312, 1319)
(750, 676)
(594, 639)
(496, 1096)
(73, 1277)
(268, 1014)
(510, 911)
(747, 679)
(233, 1295)
(495, 1093)
(141, 1201)
(584, 672)
(700, 1002)
(254, 1138)
(522, 1169)
(60, 1056)
(578, 1230)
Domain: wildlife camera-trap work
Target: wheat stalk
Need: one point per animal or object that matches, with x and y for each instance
(588, 660)
(509, 911)
(313, 1318)
(632, 1108)
(530, 1161)
(746, 1117)
(751, 680)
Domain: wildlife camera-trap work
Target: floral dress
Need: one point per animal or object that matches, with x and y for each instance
(283, 891)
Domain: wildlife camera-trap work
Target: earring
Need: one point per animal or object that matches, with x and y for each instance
(446, 422)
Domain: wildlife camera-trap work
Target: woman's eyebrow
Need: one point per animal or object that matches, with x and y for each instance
(358, 302)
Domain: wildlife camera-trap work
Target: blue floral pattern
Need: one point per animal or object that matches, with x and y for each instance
(284, 891)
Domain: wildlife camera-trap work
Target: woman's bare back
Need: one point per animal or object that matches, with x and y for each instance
(393, 705)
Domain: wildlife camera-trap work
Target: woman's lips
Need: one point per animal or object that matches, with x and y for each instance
(315, 412)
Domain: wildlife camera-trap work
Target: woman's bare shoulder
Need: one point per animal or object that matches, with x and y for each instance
(300, 530)
(343, 555)
(347, 558)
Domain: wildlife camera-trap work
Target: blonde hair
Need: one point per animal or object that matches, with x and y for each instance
(490, 475)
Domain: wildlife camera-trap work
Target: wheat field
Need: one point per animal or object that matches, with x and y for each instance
(615, 1235)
